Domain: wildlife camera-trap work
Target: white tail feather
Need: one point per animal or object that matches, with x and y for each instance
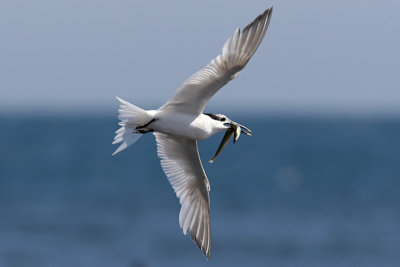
(131, 116)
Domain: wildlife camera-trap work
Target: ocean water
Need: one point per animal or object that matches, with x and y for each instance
(300, 192)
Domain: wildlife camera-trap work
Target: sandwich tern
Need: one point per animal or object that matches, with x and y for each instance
(180, 122)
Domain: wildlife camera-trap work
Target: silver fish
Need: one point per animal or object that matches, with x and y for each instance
(236, 128)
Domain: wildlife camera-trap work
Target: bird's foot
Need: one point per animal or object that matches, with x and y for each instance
(141, 128)
(145, 125)
(143, 131)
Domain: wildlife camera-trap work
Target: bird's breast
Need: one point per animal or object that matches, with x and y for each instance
(189, 126)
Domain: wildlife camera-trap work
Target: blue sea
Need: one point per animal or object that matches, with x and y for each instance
(299, 192)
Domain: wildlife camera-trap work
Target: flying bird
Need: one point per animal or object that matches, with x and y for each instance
(180, 122)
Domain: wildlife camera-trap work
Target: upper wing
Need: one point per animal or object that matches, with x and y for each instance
(181, 163)
(195, 92)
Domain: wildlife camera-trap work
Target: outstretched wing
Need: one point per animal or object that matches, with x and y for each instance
(195, 92)
(181, 163)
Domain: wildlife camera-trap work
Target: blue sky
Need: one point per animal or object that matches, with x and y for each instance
(318, 56)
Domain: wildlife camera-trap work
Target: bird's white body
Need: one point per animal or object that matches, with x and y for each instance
(180, 122)
(185, 125)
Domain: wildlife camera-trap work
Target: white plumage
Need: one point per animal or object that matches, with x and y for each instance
(179, 123)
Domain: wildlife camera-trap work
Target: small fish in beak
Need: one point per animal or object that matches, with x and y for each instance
(235, 129)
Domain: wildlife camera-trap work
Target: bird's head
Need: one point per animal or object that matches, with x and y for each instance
(231, 128)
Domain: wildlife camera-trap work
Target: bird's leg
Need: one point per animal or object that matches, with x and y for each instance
(145, 125)
(143, 131)
(140, 128)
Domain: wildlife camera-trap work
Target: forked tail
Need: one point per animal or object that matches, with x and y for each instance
(131, 116)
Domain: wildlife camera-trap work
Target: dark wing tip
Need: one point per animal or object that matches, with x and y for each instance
(266, 14)
(200, 246)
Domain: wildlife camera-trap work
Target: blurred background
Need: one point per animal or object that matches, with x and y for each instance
(317, 184)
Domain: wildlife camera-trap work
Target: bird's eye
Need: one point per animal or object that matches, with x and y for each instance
(223, 119)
